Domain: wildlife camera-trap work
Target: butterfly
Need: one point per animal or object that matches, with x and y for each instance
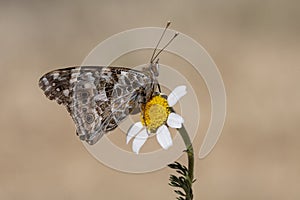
(98, 98)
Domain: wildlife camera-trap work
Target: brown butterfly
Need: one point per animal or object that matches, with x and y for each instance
(98, 98)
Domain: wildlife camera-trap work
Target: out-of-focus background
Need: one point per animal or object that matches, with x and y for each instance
(256, 46)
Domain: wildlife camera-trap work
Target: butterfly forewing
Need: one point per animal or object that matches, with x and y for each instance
(98, 98)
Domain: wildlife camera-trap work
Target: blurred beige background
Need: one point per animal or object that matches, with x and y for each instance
(256, 46)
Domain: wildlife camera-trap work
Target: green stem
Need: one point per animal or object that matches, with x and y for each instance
(189, 151)
(186, 181)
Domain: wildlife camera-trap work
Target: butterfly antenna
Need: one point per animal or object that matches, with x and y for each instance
(162, 35)
(175, 35)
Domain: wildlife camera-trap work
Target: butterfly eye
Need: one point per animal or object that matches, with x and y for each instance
(89, 118)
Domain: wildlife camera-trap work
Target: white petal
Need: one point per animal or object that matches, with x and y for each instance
(174, 120)
(139, 141)
(176, 94)
(163, 137)
(133, 130)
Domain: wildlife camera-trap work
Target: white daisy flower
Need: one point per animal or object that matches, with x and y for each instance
(156, 116)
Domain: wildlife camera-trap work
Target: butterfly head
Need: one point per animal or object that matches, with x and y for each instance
(154, 68)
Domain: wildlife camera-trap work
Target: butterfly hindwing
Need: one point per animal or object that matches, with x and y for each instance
(98, 98)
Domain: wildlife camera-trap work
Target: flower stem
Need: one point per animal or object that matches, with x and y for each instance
(189, 151)
(186, 178)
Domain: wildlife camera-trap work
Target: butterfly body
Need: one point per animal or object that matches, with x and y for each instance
(99, 98)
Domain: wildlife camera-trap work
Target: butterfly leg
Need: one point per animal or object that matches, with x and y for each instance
(158, 86)
(142, 104)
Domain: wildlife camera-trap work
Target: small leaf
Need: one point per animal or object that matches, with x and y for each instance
(179, 192)
(184, 181)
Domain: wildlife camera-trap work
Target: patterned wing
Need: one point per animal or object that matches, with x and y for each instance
(57, 85)
(98, 98)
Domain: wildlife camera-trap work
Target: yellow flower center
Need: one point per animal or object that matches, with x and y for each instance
(155, 113)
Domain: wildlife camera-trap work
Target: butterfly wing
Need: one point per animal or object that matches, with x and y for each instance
(98, 98)
(57, 85)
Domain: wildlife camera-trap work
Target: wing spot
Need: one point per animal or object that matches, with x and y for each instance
(45, 80)
(89, 118)
(84, 95)
(66, 92)
(55, 75)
